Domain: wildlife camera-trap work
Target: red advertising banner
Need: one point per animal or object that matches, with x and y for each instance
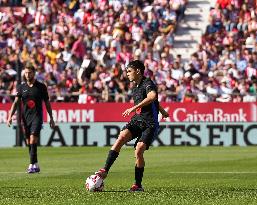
(179, 112)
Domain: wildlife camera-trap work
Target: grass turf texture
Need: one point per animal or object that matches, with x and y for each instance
(173, 175)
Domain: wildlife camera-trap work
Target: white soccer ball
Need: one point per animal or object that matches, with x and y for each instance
(94, 183)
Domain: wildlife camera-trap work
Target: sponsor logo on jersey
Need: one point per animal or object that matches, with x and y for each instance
(31, 104)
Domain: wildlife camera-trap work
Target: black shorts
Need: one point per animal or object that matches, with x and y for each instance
(142, 132)
(33, 128)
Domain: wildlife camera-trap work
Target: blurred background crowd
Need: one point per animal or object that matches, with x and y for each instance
(96, 39)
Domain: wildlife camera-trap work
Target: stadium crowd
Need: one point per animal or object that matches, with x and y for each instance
(61, 38)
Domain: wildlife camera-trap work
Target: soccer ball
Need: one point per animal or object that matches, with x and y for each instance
(94, 183)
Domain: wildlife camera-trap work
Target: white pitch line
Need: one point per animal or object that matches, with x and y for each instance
(69, 172)
(213, 172)
(12, 172)
(53, 172)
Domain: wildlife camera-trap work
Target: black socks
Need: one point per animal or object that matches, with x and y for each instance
(29, 149)
(139, 175)
(33, 153)
(112, 156)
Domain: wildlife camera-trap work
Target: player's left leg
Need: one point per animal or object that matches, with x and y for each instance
(142, 144)
(139, 167)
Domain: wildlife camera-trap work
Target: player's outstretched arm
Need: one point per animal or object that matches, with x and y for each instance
(49, 110)
(12, 111)
(163, 112)
(151, 96)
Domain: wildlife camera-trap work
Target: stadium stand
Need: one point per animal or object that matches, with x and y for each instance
(98, 38)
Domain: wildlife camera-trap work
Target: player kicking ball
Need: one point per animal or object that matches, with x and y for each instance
(143, 126)
(32, 93)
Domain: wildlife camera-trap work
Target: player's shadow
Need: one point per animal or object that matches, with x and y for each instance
(124, 191)
(114, 191)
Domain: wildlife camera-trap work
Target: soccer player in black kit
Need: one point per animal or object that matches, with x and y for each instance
(143, 126)
(32, 93)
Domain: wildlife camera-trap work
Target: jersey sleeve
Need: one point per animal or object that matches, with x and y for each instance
(149, 86)
(19, 91)
(45, 93)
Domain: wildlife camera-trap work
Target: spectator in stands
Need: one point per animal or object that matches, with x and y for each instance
(58, 36)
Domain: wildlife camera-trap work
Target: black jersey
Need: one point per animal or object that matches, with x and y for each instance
(32, 98)
(148, 113)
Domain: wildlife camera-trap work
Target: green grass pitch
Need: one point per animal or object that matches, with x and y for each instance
(173, 175)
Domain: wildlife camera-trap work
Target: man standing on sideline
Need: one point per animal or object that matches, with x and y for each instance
(32, 93)
(143, 126)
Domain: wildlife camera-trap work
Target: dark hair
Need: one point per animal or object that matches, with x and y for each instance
(30, 67)
(137, 64)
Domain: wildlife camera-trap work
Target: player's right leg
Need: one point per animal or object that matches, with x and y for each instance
(124, 136)
(30, 167)
(34, 135)
(33, 152)
(26, 130)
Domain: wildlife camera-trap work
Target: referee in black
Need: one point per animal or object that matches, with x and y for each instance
(32, 93)
(143, 126)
